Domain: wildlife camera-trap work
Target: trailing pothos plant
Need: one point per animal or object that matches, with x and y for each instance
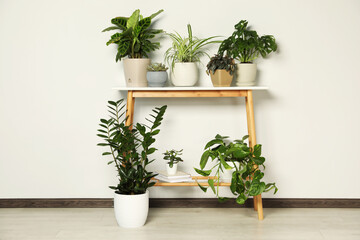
(130, 147)
(246, 45)
(134, 39)
(247, 163)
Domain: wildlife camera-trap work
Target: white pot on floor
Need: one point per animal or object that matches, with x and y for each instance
(131, 211)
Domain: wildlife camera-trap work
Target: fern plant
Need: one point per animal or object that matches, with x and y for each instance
(130, 147)
(186, 49)
(134, 39)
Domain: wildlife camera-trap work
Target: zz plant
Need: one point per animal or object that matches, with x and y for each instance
(130, 147)
(246, 179)
(134, 39)
(246, 45)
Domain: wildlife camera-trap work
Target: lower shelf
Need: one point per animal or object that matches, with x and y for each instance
(189, 184)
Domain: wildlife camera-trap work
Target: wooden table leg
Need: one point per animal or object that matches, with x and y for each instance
(252, 142)
(130, 109)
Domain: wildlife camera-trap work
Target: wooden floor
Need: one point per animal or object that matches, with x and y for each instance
(181, 223)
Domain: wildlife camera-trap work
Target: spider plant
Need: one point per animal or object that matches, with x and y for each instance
(187, 49)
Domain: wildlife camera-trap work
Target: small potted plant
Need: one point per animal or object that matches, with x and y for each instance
(131, 193)
(221, 70)
(134, 42)
(247, 165)
(246, 45)
(157, 75)
(183, 56)
(172, 158)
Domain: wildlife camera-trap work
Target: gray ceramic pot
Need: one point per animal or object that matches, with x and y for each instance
(157, 79)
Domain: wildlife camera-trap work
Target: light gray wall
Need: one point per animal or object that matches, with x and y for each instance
(56, 74)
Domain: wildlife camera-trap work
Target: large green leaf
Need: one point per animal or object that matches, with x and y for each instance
(204, 173)
(204, 159)
(257, 150)
(133, 19)
(120, 22)
(213, 142)
(211, 184)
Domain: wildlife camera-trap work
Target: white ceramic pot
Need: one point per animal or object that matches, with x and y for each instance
(157, 79)
(135, 71)
(245, 74)
(226, 175)
(185, 74)
(131, 211)
(173, 170)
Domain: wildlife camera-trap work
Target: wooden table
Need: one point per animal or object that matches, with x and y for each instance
(187, 92)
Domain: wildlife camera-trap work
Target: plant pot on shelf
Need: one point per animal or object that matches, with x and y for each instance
(135, 71)
(131, 211)
(157, 78)
(171, 170)
(245, 74)
(185, 74)
(221, 78)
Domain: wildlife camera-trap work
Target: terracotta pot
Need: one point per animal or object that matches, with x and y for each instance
(135, 71)
(221, 78)
(245, 74)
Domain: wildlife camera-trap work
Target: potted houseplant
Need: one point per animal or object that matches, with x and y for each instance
(172, 158)
(246, 164)
(221, 70)
(157, 75)
(134, 42)
(183, 56)
(131, 199)
(246, 45)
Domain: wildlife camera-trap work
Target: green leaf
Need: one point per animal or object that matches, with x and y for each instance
(106, 153)
(204, 173)
(258, 160)
(241, 199)
(112, 28)
(202, 188)
(133, 19)
(257, 150)
(157, 13)
(204, 159)
(211, 184)
(223, 162)
(213, 142)
(223, 199)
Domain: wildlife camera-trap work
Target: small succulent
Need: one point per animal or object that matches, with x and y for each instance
(157, 67)
(221, 62)
(172, 157)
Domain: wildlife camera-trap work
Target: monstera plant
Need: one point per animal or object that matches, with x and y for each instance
(245, 45)
(246, 164)
(134, 42)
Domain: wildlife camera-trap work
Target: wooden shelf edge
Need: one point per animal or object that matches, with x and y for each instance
(189, 184)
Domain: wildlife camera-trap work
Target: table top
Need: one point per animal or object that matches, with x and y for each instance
(124, 88)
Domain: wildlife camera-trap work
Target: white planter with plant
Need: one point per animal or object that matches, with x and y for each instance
(172, 158)
(157, 75)
(245, 46)
(134, 42)
(131, 201)
(183, 56)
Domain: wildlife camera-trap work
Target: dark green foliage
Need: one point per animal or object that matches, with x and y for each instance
(133, 41)
(246, 179)
(130, 148)
(245, 45)
(221, 62)
(172, 157)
